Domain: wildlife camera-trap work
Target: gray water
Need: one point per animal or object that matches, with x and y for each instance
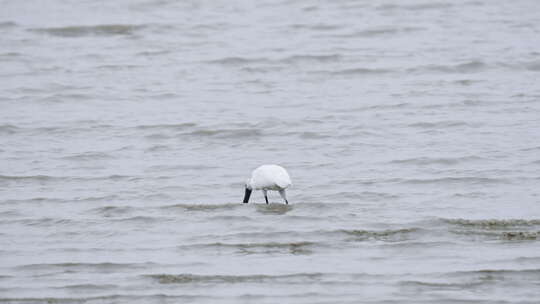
(410, 130)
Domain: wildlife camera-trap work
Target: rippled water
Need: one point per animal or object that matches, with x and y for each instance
(410, 130)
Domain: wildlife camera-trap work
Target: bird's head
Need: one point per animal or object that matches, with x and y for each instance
(248, 191)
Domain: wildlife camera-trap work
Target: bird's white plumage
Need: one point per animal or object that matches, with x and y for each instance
(269, 177)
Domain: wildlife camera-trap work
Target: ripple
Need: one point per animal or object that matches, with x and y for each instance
(144, 219)
(258, 278)
(416, 7)
(277, 209)
(115, 298)
(426, 161)
(296, 248)
(533, 66)
(470, 180)
(41, 222)
(88, 156)
(7, 24)
(90, 30)
(467, 67)
(493, 223)
(439, 124)
(87, 287)
(49, 178)
(380, 31)
(7, 129)
(316, 27)
(112, 211)
(441, 286)
(359, 71)
(311, 58)
(225, 133)
(99, 267)
(498, 235)
(521, 235)
(382, 235)
(499, 274)
(237, 61)
(174, 127)
(201, 207)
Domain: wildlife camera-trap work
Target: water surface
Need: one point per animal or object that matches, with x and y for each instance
(410, 130)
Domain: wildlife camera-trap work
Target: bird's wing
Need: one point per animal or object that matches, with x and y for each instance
(281, 178)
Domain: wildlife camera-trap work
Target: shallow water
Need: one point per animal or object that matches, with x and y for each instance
(410, 130)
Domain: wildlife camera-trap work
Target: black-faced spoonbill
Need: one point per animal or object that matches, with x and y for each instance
(268, 177)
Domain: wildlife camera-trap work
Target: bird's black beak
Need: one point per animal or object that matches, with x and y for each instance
(247, 195)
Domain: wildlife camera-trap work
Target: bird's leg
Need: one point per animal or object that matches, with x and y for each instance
(284, 196)
(265, 196)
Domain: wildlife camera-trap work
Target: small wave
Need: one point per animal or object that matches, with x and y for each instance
(466, 82)
(364, 195)
(438, 124)
(225, 133)
(118, 67)
(521, 235)
(101, 267)
(42, 222)
(232, 218)
(493, 223)
(436, 161)
(90, 30)
(310, 135)
(144, 219)
(441, 286)
(535, 260)
(111, 211)
(468, 67)
(400, 105)
(497, 274)
(380, 32)
(360, 71)
(153, 53)
(231, 279)
(86, 287)
(174, 127)
(10, 55)
(383, 235)
(533, 66)
(473, 194)
(24, 178)
(88, 156)
(116, 298)
(455, 180)
(8, 129)
(96, 198)
(7, 24)
(31, 200)
(416, 7)
(311, 58)
(158, 148)
(194, 167)
(316, 27)
(277, 208)
(48, 178)
(238, 61)
(296, 248)
(201, 207)
(10, 214)
(497, 235)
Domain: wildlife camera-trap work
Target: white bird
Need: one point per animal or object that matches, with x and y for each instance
(268, 177)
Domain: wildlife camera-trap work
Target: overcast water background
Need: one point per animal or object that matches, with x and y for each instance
(410, 130)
